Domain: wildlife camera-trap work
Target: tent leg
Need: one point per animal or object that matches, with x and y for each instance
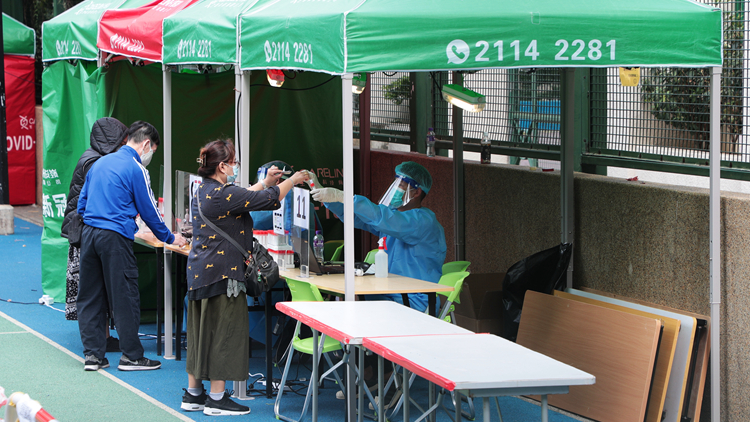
(715, 242)
(167, 195)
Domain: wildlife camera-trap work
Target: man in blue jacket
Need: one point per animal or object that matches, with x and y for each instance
(117, 188)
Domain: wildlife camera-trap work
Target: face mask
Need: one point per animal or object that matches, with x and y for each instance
(146, 158)
(235, 172)
(398, 198)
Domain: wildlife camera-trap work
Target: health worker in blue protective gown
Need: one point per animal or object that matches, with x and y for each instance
(415, 240)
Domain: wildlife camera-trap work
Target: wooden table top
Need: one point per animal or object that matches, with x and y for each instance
(148, 239)
(368, 285)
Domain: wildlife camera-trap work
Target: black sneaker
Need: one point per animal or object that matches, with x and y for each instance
(113, 344)
(193, 403)
(225, 406)
(93, 363)
(142, 364)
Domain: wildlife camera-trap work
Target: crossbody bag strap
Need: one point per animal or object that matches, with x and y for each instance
(221, 232)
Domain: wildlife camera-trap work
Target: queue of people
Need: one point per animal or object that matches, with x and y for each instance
(115, 187)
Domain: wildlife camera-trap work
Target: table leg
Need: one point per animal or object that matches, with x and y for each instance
(432, 303)
(168, 351)
(269, 347)
(381, 400)
(159, 298)
(431, 402)
(180, 275)
(361, 384)
(545, 415)
(351, 376)
(405, 386)
(485, 408)
(314, 380)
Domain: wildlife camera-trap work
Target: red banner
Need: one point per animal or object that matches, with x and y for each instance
(137, 32)
(21, 129)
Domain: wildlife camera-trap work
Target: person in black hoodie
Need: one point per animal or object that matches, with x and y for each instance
(107, 135)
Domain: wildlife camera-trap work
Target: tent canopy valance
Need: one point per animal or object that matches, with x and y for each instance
(18, 39)
(424, 35)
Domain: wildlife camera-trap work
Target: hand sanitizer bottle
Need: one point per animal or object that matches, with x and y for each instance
(381, 260)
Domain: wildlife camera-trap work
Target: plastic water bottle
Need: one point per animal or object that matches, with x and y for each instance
(381, 260)
(486, 154)
(318, 245)
(430, 142)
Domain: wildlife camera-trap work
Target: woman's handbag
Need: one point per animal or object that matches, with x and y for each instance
(261, 271)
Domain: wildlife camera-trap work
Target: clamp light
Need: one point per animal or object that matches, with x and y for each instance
(464, 98)
(275, 77)
(359, 82)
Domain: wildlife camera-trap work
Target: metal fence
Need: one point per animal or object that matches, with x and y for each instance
(663, 120)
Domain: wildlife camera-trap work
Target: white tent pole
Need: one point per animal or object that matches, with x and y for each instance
(346, 101)
(245, 129)
(167, 195)
(237, 108)
(715, 242)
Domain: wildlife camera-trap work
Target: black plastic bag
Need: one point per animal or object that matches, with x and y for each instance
(542, 272)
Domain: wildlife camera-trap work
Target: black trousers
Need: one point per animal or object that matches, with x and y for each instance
(108, 275)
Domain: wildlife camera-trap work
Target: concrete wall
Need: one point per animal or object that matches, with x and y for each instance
(641, 240)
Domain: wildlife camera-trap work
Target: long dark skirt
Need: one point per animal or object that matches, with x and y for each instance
(218, 338)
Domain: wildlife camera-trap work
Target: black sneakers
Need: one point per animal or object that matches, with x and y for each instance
(142, 364)
(193, 403)
(93, 363)
(225, 406)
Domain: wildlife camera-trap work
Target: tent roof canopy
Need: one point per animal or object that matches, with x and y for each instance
(18, 38)
(427, 35)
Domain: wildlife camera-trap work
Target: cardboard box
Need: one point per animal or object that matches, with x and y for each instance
(481, 305)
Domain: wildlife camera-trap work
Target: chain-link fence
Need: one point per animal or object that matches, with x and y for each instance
(663, 119)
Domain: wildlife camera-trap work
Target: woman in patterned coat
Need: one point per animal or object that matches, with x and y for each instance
(217, 324)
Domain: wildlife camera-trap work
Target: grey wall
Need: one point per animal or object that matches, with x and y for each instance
(641, 240)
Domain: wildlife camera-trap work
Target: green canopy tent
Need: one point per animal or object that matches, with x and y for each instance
(77, 92)
(350, 36)
(18, 39)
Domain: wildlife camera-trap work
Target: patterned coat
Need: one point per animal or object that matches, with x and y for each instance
(213, 258)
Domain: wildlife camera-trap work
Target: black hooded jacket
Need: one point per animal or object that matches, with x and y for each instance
(107, 135)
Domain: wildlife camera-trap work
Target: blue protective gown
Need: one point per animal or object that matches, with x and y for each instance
(415, 242)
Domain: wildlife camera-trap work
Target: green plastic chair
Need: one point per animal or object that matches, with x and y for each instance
(305, 292)
(370, 258)
(338, 254)
(455, 266)
(330, 247)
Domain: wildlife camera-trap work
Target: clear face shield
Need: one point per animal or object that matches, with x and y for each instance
(401, 191)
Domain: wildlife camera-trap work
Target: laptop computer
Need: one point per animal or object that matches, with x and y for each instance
(315, 266)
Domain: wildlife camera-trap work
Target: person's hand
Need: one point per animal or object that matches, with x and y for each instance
(272, 176)
(300, 177)
(328, 195)
(313, 181)
(179, 240)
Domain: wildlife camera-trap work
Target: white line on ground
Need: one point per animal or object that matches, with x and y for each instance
(110, 376)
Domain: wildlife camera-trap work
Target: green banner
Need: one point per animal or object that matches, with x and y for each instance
(286, 124)
(71, 96)
(426, 35)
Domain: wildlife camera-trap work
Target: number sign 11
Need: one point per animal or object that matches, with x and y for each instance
(302, 208)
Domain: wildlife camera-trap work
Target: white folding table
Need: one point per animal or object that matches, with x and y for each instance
(478, 365)
(350, 322)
